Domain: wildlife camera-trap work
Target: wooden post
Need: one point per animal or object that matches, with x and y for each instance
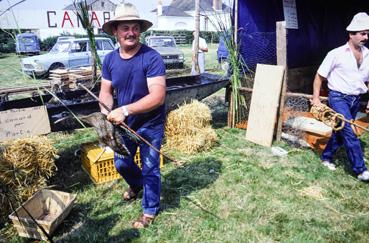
(195, 54)
(281, 33)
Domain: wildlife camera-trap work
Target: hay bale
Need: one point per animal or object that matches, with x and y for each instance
(188, 128)
(25, 166)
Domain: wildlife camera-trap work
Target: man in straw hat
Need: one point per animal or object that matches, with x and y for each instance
(347, 70)
(137, 75)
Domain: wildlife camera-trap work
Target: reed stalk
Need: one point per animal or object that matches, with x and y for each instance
(83, 16)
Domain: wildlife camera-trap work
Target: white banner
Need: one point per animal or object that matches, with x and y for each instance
(54, 19)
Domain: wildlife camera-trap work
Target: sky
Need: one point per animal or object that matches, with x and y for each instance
(60, 4)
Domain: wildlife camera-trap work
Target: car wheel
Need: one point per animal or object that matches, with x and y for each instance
(56, 66)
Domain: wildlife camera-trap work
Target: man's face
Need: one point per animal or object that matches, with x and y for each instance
(128, 34)
(360, 38)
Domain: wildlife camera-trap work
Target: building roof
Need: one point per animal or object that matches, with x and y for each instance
(179, 7)
(89, 2)
(172, 11)
(189, 5)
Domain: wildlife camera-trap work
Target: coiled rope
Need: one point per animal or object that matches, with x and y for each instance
(332, 119)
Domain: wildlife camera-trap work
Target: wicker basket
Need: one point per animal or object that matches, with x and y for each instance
(98, 162)
(48, 207)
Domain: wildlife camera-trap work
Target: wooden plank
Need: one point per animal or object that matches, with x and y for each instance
(281, 60)
(264, 104)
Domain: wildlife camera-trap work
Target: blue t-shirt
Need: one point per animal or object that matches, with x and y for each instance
(129, 80)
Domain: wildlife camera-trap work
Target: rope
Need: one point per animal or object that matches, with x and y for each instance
(333, 119)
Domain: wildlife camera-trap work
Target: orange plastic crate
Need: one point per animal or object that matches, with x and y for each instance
(99, 162)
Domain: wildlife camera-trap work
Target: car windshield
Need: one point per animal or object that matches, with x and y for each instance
(60, 47)
(162, 42)
(27, 40)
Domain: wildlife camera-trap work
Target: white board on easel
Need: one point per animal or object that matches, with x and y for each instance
(264, 104)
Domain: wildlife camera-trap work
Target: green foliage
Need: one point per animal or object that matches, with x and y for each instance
(7, 41)
(48, 43)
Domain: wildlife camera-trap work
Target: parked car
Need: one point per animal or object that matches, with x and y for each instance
(27, 44)
(69, 53)
(166, 45)
(65, 37)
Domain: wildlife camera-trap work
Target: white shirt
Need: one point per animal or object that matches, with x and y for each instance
(202, 44)
(340, 68)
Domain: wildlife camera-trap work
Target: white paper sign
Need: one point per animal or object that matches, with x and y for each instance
(19, 123)
(290, 14)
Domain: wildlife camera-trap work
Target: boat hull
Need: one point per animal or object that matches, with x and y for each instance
(179, 90)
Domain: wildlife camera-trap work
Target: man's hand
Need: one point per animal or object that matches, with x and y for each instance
(109, 135)
(116, 116)
(315, 101)
(367, 108)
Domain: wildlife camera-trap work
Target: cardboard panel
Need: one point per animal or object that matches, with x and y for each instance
(20, 123)
(264, 104)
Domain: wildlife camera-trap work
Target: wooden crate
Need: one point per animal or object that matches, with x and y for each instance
(99, 162)
(48, 207)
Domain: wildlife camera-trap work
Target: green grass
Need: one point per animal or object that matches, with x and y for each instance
(211, 61)
(11, 74)
(235, 192)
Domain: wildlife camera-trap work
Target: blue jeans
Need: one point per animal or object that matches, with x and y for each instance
(148, 177)
(348, 106)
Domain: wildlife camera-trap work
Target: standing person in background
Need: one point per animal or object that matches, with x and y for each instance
(136, 74)
(347, 70)
(203, 47)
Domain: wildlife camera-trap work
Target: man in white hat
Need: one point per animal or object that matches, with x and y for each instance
(136, 73)
(347, 70)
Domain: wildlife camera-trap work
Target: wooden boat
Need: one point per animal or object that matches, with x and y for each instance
(179, 90)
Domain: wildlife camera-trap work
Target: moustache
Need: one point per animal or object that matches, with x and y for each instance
(131, 37)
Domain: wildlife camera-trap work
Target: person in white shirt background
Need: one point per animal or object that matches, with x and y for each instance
(203, 47)
(346, 69)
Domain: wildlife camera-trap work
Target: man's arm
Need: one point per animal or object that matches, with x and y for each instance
(106, 95)
(318, 80)
(155, 98)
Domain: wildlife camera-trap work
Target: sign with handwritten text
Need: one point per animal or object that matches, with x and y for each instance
(290, 14)
(20, 123)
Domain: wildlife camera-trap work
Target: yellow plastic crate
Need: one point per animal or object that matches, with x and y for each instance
(99, 163)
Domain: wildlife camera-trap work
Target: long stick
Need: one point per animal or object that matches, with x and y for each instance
(125, 126)
(352, 123)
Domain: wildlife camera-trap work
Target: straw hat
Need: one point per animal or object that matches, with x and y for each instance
(359, 22)
(126, 12)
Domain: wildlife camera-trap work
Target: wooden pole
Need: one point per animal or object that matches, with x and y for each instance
(281, 33)
(195, 54)
(289, 94)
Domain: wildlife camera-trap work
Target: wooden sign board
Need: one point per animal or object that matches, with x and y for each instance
(264, 104)
(20, 123)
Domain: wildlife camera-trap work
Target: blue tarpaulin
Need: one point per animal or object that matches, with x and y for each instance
(321, 27)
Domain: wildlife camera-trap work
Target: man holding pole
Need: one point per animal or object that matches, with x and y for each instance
(136, 73)
(346, 69)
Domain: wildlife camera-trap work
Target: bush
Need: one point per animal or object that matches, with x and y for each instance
(48, 43)
(7, 43)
